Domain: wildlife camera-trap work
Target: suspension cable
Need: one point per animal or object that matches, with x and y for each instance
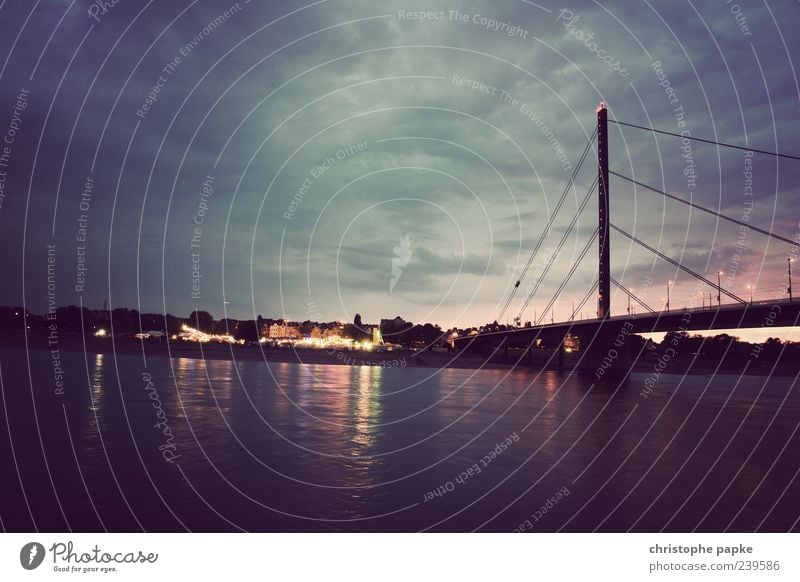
(677, 264)
(585, 299)
(630, 294)
(558, 248)
(711, 141)
(704, 209)
(571, 272)
(546, 230)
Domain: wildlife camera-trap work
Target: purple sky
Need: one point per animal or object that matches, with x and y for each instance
(311, 161)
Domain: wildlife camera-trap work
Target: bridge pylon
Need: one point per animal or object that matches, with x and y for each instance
(604, 272)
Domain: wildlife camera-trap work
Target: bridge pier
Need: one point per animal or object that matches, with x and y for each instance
(604, 353)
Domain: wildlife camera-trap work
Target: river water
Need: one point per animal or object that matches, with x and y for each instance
(184, 444)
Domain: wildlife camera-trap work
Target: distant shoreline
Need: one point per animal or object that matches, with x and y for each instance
(400, 358)
(218, 351)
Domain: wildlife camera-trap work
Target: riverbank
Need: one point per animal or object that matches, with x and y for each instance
(400, 358)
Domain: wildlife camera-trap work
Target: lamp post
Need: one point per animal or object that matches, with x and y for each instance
(719, 288)
(669, 284)
(629, 300)
(789, 261)
(750, 287)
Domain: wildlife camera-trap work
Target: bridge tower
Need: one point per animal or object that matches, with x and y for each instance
(604, 272)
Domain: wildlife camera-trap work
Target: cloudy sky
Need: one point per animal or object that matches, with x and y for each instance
(315, 160)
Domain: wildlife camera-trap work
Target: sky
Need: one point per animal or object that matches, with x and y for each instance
(322, 159)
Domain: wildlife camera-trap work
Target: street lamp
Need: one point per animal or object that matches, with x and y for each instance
(751, 292)
(669, 284)
(719, 288)
(789, 261)
(629, 300)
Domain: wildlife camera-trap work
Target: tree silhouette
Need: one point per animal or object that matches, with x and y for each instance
(202, 320)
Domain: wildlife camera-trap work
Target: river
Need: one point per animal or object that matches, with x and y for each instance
(184, 444)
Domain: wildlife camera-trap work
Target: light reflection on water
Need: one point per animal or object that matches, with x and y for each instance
(96, 384)
(316, 447)
(367, 411)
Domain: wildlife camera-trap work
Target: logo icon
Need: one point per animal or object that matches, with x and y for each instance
(31, 555)
(402, 253)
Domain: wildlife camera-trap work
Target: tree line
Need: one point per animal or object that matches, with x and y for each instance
(75, 320)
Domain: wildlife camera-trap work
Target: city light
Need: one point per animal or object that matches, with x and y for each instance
(331, 342)
(195, 335)
(100, 333)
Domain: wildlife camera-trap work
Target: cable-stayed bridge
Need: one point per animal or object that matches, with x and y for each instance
(607, 333)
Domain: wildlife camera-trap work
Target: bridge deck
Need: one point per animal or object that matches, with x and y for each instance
(777, 313)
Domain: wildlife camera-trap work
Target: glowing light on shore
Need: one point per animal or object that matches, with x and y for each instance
(195, 335)
(100, 333)
(332, 342)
